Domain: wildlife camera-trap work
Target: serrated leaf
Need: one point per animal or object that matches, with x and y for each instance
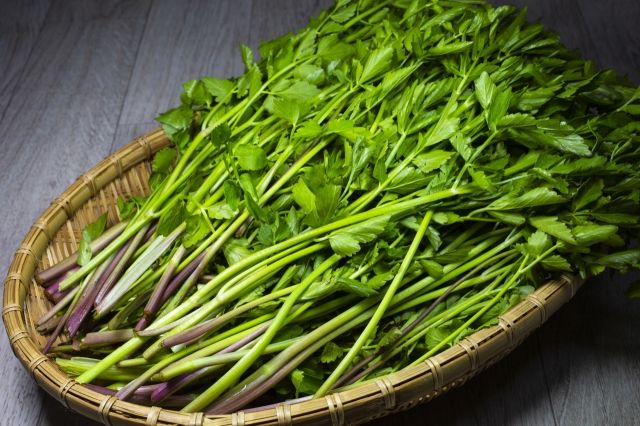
(582, 165)
(620, 260)
(516, 121)
(251, 157)
(434, 336)
(344, 14)
(232, 194)
(535, 197)
(557, 263)
(432, 160)
(587, 235)
(247, 56)
(552, 226)
(515, 219)
(163, 160)
(346, 242)
(221, 210)
(304, 197)
(444, 129)
(219, 88)
(331, 352)
(309, 130)
(485, 90)
(589, 192)
(354, 286)
(125, 210)
(195, 93)
(300, 90)
(290, 110)
(254, 208)
(377, 63)
(172, 219)
(498, 108)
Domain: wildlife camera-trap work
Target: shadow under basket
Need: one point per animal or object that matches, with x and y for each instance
(56, 234)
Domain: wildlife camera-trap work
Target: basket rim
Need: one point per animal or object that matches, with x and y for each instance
(395, 392)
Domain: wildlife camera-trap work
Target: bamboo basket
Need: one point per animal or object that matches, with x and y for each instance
(56, 234)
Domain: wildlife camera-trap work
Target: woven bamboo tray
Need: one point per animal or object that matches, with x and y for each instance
(56, 235)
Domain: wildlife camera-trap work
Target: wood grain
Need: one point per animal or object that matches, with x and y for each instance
(79, 79)
(19, 29)
(184, 40)
(61, 117)
(614, 31)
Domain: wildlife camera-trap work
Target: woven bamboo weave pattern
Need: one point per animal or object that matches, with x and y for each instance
(57, 233)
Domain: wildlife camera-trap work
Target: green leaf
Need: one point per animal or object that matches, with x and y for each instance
(221, 210)
(235, 250)
(304, 197)
(434, 269)
(254, 208)
(331, 352)
(587, 235)
(633, 291)
(535, 197)
(620, 260)
(163, 160)
(232, 194)
(195, 231)
(446, 49)
(218, 88)
(175, 121)
(389, 338)
(462, 144)
(580, 166)
(446, 218)
(84, 253)
(485, 90)
(377, 63)
(346, 242)
(432, 160)
(125, 210)
(515, 219)
(498, 108)
(331, 49)
(290, 110)
(247, 185)
(517, 120)
(300, 90)
(556, 263)
(95, 229)
(247, 56)
(251, 157)
(309, 130)
(220, 134)
(355, 287)
(443, 130)
(172, 219)
(617, 218)
(344, 14)
(552, 226)
(589, 192)
(195, 93)
(538, 243)
(434, 336)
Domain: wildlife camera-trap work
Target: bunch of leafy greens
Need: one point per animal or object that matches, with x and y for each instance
(379, 185)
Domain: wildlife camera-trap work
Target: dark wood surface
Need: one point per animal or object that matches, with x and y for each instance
(81, 78)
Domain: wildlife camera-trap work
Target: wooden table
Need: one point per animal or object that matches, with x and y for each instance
(81, 78)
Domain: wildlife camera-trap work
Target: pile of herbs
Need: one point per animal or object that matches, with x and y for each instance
(378, 186)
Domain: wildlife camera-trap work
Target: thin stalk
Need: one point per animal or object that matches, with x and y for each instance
(382, 307)
(120, 262)
(71, 262)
